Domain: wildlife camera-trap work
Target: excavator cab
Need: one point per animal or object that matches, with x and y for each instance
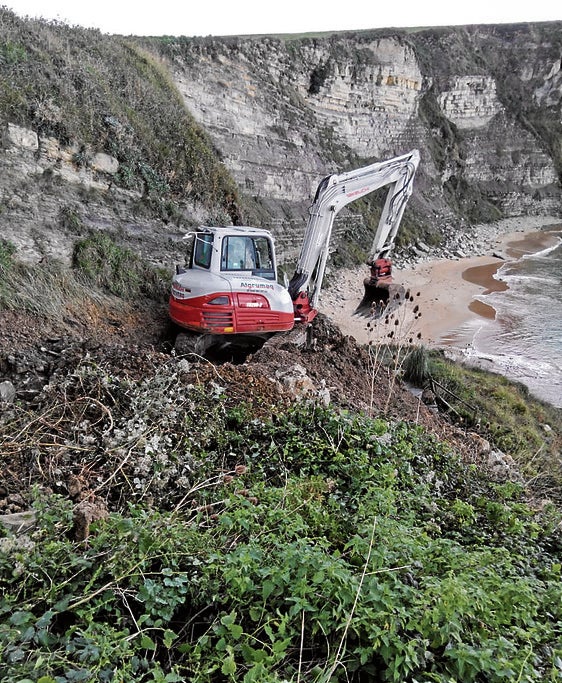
(228, 288)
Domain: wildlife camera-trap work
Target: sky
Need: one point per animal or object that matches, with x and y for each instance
(250, 17)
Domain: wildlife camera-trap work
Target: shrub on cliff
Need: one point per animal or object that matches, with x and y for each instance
(99, 260)
(310, 546)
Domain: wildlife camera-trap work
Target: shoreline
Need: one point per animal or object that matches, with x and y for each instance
(445, 312)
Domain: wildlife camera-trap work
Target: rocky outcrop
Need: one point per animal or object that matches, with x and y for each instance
(286, 112)
(471, 101)
(72, 163)
(482, 104)
(52, 194)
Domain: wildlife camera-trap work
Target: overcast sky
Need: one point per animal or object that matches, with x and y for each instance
(244, 17)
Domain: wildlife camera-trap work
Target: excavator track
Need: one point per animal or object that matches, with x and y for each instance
(189, 343)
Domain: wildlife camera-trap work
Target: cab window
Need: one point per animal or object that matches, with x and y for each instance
(264, 254)
(240, 252)
(202, 250)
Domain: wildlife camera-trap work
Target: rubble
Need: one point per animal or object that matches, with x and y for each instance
(65, 431)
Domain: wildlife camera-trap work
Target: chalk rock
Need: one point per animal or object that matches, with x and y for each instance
(22, 138)
(500, 463)
(296, 380)
(18, 521)
(104, 163)
(7, 392)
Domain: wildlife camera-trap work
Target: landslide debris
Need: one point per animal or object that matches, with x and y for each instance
(97, 401)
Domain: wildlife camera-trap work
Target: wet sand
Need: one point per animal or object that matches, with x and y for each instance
(443, 310)
(483, 276)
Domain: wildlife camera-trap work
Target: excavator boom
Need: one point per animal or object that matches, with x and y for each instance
(333, 193)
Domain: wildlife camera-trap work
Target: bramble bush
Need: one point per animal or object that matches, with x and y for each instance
(313, 546)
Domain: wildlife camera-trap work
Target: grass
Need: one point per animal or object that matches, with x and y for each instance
(415, 367)
(44, 289)
(99, 261)
(504, 412)
(101, 269)
(498, 409)
(108, 93)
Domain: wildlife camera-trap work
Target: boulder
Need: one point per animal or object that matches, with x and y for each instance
(104, 163)
(21, 138)
(7, 392)
(17, 522)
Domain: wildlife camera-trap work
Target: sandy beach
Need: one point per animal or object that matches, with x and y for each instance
(442, 310)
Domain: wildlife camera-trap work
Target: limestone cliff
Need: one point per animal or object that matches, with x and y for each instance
(286, 111)
(483, 104)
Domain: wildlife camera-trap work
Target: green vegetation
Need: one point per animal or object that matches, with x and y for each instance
(415, 368)
(101, 262)
(100, 268)
(505, 413)
(488, 404)
(7, 250)
(107, 93)
(42, 289)
(215, 540)
(311, 546)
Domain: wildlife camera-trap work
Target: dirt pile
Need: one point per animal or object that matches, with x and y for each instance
(77, 386)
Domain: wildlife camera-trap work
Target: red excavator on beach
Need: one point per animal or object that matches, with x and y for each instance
(228, 293)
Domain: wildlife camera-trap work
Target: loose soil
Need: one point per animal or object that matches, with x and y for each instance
(135, 344)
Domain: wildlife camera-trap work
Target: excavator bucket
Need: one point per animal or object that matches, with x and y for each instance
(379, 299)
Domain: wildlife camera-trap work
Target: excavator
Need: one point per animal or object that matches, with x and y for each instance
(228, 293)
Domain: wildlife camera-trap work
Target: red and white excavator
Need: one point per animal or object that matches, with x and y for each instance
(228, 293)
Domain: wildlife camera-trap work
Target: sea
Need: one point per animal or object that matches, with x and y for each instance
(522, 339)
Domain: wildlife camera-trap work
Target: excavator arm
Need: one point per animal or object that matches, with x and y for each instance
(333, 193)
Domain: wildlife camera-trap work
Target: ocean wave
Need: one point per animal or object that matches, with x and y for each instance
(543, 252)
(540, 279)
(524, 339)
(542, 378)
(522, 366)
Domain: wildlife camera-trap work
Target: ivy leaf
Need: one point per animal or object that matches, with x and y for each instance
(228, 619)
(169, 637)
(236, 630)
(267, 589)
(21, 618)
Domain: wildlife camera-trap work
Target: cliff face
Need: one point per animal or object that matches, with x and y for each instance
(286, 113)
(483, 105)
